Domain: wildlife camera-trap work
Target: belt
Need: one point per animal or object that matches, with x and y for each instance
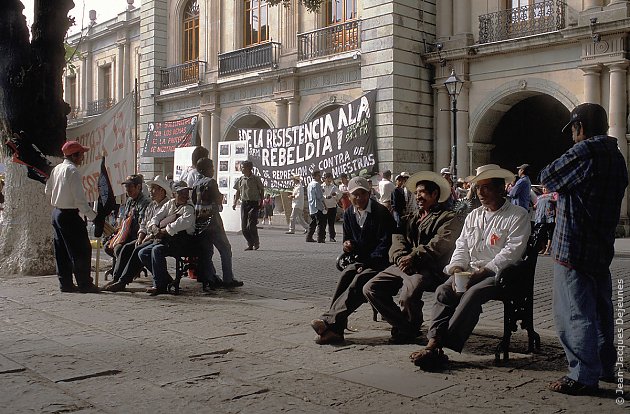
(68, 209)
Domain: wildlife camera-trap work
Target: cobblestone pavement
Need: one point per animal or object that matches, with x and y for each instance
(251, 350)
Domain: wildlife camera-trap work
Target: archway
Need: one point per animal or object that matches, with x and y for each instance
(246, 121)
(531, 132)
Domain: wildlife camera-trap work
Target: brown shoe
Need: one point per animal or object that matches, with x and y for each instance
(329, 338)
(319, 326)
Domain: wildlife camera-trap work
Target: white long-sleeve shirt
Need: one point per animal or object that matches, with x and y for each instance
(185, 217)
(64, 189)
(298, 197)
(493, 240)
(330, 200)
(149, 213)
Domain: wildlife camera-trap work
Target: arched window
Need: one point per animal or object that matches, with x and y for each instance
(190, 46)
(339, 11)
(256, 22)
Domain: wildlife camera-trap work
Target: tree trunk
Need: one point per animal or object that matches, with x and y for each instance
(31, 100)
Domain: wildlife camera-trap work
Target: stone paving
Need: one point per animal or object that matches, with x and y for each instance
(251, 350)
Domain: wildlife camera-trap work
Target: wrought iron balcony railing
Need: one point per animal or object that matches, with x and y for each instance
(99, 106)
(262, 56)
(330, 40)
(184, 74)
(537, 18)
(75, 113)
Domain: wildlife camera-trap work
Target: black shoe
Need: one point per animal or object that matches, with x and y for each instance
(321, 241)
(208, 286)
(116, 287)
(310, 240)
(305, 232)
(249, 248)
(332, 240)
(154, 291)
(69, 289)
(89, 289)
(256, 246)
(234, 283)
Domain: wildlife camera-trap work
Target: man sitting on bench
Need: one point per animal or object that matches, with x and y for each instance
(419, 254)
(128, 264)
(172, 227)
(494, 237)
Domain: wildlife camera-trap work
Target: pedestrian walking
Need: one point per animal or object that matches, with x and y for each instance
(331, 198)
(316, 209)
(297, 206)
(250, 190)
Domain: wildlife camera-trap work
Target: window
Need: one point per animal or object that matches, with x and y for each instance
(190, 47)
(339, 11)
(256, 22)
(107, 82)
(523, 10)
(71, 93)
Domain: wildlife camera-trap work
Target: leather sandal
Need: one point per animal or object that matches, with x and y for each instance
(566, 385)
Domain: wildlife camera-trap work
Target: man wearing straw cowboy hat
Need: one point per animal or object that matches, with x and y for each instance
(297, 206)
(494, 237)
(128, 264)
(419, 254)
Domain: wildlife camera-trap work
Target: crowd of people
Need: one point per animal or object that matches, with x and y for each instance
(420, 233)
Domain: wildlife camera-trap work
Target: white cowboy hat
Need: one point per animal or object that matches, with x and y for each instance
(297, 177)
(491, 171)
(445, 187)
(162, 182)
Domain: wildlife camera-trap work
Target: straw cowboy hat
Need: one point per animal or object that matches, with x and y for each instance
(161, 182)
(491, 171)
(445, 187)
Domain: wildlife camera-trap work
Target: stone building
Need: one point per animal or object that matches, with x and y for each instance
(524, 65)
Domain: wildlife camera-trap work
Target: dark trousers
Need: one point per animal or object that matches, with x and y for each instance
(331, 217)
(380, 291)
(249, 220)
(348, 300)
(215, 236)
(128, 263)
(73, 251)
(318, 220)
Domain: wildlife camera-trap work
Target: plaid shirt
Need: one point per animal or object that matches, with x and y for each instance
(590, 179)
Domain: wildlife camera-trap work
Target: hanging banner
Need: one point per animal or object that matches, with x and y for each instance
(341, 141)
(163, 137)
(108, 135)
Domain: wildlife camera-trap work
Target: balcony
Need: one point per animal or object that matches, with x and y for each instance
(184, 74)
(544, 17)
(262, 56)
(100, 106)
(328, 41)
(75, 113)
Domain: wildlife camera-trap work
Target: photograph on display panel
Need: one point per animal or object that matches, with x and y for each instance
(224, 149)
(224, 181)
(240, 148)
(224, 166)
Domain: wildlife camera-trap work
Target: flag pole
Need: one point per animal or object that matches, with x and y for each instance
(135, 130)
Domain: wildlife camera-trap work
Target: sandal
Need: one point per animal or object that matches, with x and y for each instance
(429, 359)
(566, 385)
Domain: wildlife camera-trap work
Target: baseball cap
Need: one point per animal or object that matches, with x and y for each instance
(180, 186)
(445, 170)
(591, 114)
(523, 167)
(72, 147)
(358, 183)
(135, 179)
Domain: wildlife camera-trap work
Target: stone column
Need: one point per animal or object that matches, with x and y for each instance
(281, 113)
(215, 134)
(445, 19)
(89, 79)
(120, 72)
(591, 4)
(83, 81)
(294, 111)
(461, 18)
(592, 89)
(463, 165)
(442, 146)
(617, 116)
(205, 131)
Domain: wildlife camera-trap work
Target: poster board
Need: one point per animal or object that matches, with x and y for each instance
(228, 170)
(182, 161)
(164, 137)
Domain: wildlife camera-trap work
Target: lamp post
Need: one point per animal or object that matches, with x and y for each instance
(454, 87)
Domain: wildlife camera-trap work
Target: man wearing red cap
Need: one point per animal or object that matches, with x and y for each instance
(73, 252)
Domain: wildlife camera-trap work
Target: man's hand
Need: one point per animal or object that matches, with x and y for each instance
(454, 270)
(140, 239)
(406, 263)
(478, 276)
(347, 246)
(234, 206)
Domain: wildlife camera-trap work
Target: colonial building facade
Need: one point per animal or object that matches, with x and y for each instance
(524, 65)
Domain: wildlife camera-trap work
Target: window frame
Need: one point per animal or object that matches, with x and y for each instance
(190, 32)
(261, 5)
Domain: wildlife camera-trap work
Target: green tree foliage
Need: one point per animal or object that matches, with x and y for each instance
(311, 5)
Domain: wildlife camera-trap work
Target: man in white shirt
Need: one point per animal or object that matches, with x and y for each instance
(386, 188)
(494, 237)
(172, 226)
(297, 206)
(73, 251)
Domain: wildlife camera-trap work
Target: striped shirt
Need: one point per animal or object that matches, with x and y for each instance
(590, 179)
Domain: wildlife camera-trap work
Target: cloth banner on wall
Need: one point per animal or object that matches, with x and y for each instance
(341, 141)
(163, 137)
(109, 135)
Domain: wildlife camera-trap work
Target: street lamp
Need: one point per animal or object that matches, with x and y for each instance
(454, 87)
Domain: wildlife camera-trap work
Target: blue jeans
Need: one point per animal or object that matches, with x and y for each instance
(153, 257)
(583, 315)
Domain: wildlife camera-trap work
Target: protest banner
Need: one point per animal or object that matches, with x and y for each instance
(163, 137)
(341, 141)
(108, 135)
